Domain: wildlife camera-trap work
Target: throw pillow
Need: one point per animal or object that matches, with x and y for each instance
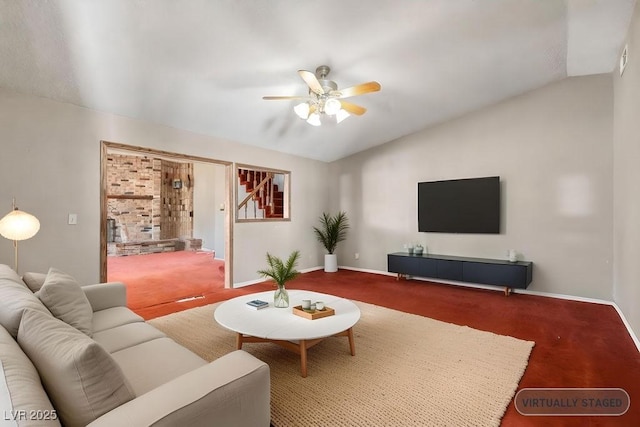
(34, 280)
(81, 378)
(64, 298)
(14, 298)
(20, 386)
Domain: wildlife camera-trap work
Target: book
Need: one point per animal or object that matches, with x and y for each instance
(257, 304)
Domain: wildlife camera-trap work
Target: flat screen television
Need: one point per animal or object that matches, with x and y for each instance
(469, 205)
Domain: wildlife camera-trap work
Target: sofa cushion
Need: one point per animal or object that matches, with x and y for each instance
(34, 280)
(113, 317)
(126, 336)
(21, 391)
(80, 377)
(15, 297)
(153, 363)
(65, 299)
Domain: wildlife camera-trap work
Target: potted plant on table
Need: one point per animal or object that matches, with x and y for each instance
(281, 272)
(333, 230)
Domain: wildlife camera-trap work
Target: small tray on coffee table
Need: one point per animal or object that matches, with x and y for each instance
(318, 314)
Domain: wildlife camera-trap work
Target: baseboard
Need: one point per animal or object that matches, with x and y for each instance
(256, 281)
(366, 270)
(624, 320)
(518, 291)
(248, 283)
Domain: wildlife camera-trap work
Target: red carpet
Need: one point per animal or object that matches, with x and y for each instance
(161, 278)
(577, 344)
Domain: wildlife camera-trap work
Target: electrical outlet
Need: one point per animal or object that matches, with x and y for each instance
(357, 255)
(73, 219)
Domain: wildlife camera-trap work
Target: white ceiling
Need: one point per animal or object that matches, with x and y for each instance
(204, 65)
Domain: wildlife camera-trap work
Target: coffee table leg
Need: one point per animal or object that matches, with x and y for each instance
(301, 348)
(303, 358)
(352, 342)
(239, 341)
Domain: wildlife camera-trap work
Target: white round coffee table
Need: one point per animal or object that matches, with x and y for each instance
(282, 327)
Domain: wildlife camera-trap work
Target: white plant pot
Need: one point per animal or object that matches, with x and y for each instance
(330, 263)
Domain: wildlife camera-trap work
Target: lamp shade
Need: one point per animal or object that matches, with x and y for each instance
(341, 115)
(332, 106)
(19, 225)
(302, 110)
(314, 119)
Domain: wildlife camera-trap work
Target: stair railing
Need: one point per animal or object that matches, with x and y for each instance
(268, 199)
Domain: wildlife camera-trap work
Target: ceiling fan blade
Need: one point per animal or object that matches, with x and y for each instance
(353, 108)
(312, 81)
(360, 89)
(277, 98)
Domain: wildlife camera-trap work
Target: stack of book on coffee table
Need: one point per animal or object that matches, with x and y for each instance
(257, 304)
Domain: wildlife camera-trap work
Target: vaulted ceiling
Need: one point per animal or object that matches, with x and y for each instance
(204, 65)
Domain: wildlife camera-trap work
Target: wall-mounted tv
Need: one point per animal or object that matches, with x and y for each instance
(469, 205)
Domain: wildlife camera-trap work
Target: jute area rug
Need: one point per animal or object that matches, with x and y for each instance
(408, 370)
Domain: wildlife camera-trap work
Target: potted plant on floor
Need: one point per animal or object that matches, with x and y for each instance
(281, 272)
(333, 230)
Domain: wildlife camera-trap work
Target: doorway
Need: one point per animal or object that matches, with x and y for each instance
(170, 207)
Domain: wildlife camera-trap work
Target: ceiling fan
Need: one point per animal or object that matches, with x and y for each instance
(325, 98)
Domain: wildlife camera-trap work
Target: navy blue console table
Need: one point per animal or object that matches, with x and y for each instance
(472, 270)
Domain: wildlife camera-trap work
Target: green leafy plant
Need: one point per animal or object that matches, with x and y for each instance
(281, 271)
(333, 230)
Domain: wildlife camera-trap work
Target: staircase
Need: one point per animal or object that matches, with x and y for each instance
(262, 195)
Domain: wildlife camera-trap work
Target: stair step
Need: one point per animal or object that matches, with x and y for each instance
(248, 179)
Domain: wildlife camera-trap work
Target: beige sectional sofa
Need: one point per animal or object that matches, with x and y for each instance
(72, 355)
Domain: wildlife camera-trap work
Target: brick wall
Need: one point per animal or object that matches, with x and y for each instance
(176, 204)
(142, 201)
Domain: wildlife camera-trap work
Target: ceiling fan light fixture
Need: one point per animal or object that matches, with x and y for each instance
(332, 106)
(302, 110)
(324, 98)
(314, 119)
(341, 115)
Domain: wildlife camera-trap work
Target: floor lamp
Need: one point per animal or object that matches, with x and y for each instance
(18, 225)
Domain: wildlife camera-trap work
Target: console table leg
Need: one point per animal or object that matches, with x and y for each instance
(507, 291)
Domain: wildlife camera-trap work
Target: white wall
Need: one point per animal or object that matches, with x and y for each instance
(220, 199)
(552, 150)
(309, 198)
(205, 210)
(51, 164)
(626, 160)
